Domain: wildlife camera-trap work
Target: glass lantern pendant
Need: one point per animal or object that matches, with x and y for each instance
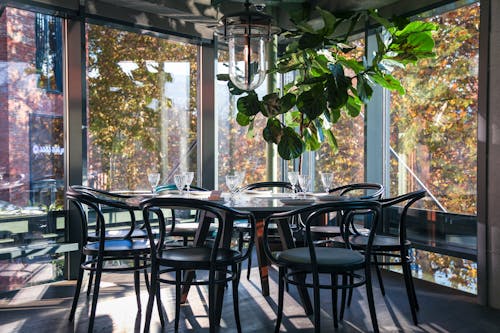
(247, 34)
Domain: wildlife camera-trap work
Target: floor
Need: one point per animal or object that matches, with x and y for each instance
(46, 308)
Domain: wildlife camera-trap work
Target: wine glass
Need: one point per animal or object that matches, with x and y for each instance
(232, 182)
(154, 179)
(304, 181)
(189, 179)
(180, 181)
(293, 177)
(327, 180)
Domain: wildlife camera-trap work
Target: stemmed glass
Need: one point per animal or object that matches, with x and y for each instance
(180, 181)
(232, 183)
(189, 175)
(293, 177)
(327, 180)
(154, 179)
(304, 181)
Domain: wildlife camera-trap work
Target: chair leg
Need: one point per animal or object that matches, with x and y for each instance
(91, 278)
(211, 300)
(281, 292)
(351, 282)
(334, 281)
(369, 295)
(235, 282)
(344, 296)
(409, 291)
(249, 266)
(178, 277)
(151, 299)
(317, 307)
(137, 282)
(97, 283)
(379, 275)
(77, 290)
(146, 278)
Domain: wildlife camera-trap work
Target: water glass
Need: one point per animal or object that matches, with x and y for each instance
(180, 182)
(232, 183)
(293, 177)
(189, 176)
(304, 181)
(327, 180)
(154, 179)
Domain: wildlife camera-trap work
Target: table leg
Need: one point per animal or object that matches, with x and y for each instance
(261, 257)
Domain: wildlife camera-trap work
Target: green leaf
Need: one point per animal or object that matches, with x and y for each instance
(379, 19)
(272, 131)
(312, 102)
(287, 102)
(331, 140)
(233, 90)
(388, 81)
(310, 41)
(290, 145)
(242, 119)
(329, 22)
(249, 105)
(353, 106)
(364, 89)
(223, 77)
(272, 105)
(311, 140)
(337, 87)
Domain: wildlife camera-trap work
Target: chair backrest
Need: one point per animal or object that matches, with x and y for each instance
(282, 186)
(96, 200)
(360, 190)
(172, 187)
(346, 211)
(405, 201)
(206, 209)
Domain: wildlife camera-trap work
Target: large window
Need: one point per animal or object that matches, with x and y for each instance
(433, 143)
(31, 150)
(142, 114)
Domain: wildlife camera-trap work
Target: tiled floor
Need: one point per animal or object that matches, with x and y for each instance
(46, 308)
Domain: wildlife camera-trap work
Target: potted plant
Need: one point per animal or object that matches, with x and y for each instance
(329, 84)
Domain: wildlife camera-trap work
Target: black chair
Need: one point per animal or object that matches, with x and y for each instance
(294, 262)
(362, 191)
(394, 245)
(183, 223)
(96, 248)
(222, 263)
(242, 227)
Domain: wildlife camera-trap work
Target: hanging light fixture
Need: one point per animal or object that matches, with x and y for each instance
(247, 34)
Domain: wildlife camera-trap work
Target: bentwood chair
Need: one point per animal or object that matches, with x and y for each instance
(319, 260)
(362, 191)
(242, 226)
(217, 259)
(394, 247)
(182, 223)
(97, 248)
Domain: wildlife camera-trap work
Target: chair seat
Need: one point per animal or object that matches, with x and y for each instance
(327, 258)
(196, 257)
(115, 247)
(381, 242)
(120, 233)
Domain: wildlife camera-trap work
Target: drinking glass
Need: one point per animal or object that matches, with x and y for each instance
(232, 182)
(304, 181)
(189, 179)
(293, 177)
(180, 181)
(327, 180)
(154, 179)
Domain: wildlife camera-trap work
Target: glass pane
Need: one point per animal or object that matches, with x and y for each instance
(433, 145)
(142, 114)
(238, 150)
(31, 151)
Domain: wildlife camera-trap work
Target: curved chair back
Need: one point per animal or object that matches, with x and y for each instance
(282, 186)
(360, 190)
(206, 210)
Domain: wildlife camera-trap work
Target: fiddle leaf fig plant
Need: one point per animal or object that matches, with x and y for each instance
(329, 83)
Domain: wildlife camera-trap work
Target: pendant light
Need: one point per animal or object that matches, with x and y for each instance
(247, 34)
